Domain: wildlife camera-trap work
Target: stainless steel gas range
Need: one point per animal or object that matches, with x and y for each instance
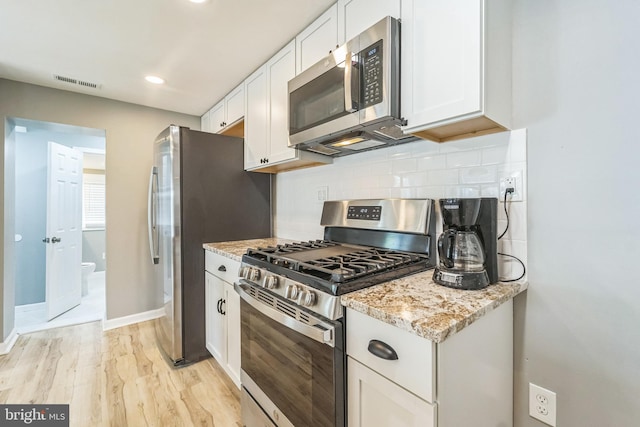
(293, 348)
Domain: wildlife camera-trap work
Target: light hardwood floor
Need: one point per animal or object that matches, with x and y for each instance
(116, 378)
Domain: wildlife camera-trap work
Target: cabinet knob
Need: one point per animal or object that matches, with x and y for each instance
(222, 268)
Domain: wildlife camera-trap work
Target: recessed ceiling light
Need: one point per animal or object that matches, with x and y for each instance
(197, 1)
(154, 79)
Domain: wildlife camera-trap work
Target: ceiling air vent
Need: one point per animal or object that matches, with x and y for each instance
(73, 81)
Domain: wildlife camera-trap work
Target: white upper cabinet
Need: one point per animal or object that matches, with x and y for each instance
(280, 69)
(317, 40)
(216, 117)
(267, 118)
(226, 113)
(256, 118)
(204, 122)
(234, 106)
(455, 67)
(355, 16)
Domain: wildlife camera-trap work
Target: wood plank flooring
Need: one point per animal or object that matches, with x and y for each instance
(116, 378)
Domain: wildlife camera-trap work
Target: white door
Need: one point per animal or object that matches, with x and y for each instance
(64, 229)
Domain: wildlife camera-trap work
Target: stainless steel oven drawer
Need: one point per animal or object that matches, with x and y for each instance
(252, 415)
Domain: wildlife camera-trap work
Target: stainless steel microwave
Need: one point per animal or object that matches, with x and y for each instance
(349, 102)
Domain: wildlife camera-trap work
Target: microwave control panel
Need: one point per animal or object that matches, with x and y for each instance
(372, 74)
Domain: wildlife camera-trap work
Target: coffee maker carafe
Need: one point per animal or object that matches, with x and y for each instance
(467, 248)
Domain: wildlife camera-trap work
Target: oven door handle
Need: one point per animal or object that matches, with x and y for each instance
(321, 332)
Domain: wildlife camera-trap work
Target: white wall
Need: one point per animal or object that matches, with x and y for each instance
(576, 89)
(422, 169)
(130, 132)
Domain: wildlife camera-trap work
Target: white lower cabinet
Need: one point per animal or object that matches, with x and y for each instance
(397, 378)
(375, 401)
(222, 313)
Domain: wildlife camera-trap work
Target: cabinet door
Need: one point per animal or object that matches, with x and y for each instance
(232, 310)
(441, 60)
(255, 118)
(280, 69)
(204, 122)
(216, 118)
(355, 16)
(374, 401)
(315, 42)
(234, 104)
(215, 330)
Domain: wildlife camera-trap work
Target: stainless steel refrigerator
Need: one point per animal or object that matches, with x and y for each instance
(198, 193)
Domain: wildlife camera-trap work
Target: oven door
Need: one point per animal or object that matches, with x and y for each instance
(325, 98)
(292, 361)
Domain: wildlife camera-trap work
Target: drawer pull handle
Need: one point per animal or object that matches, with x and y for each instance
(382, 350)
(222, 268)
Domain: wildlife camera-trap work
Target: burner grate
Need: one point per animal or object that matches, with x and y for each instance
(334, 262)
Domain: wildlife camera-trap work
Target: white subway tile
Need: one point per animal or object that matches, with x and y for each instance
(432, 162)
(518, 146)
(414, 179)
(391, 180)
(490, 190)
(479, 175)
(404, 165)
(443, 177)
(460, 191)
(463, 159)
(495, 155)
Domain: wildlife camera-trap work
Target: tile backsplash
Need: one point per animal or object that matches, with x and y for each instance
(421, 169)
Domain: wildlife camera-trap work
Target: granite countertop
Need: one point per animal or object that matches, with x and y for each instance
(414, 303)
(236, 249)
(418, 305)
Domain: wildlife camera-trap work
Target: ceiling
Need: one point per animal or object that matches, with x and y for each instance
(201, 50)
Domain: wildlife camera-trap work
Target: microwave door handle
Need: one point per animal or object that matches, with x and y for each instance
(348, 69)
(324, 334)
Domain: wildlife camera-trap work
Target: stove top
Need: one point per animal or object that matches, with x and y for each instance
(366, 242)
(332, 261)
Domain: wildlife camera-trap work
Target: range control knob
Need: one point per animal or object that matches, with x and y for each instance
(307, 298)
(291, 292)
(271, 282)
(244, 272)
(254, 274)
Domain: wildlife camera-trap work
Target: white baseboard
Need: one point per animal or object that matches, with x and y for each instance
(25, 308)
(7, 345)
(119, 322)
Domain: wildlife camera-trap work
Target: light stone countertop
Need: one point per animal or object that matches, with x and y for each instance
(414, 303)
(418, 305)
(236, 249)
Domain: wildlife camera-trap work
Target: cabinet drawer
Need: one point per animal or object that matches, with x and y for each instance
(415, 366)
(221, 266)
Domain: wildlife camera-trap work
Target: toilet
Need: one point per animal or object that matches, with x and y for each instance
(87, 269)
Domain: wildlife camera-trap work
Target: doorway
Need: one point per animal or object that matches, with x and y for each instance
(31, 151)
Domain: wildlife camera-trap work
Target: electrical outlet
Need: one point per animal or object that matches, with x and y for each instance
(322, 193)
(542, 404)
(511, 180)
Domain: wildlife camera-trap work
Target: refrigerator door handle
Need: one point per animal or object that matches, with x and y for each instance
(152, 216)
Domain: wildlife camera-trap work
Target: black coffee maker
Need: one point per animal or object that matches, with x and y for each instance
(468, 246)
